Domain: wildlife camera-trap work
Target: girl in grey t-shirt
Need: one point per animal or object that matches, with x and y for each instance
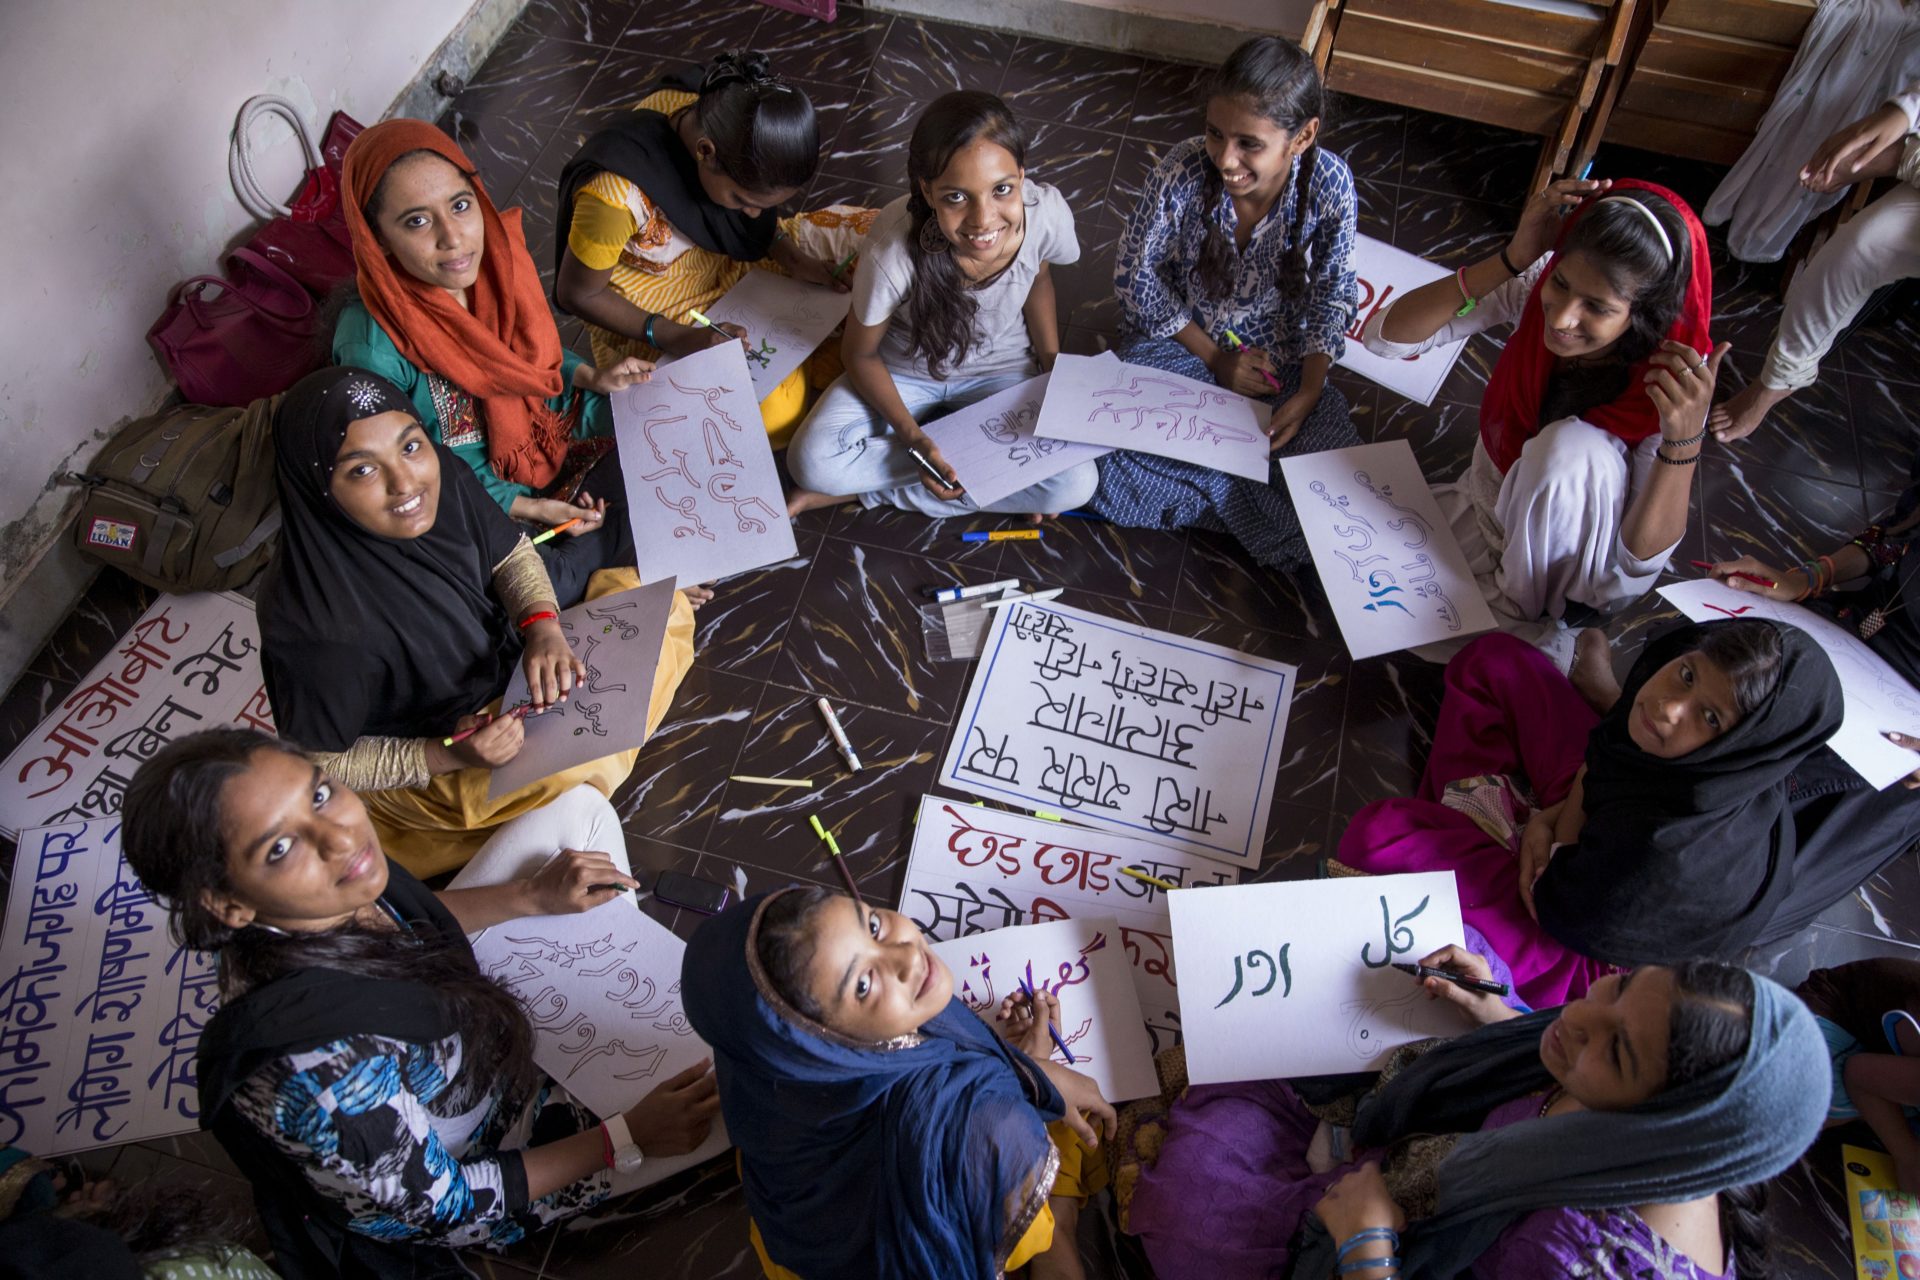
(953, 302)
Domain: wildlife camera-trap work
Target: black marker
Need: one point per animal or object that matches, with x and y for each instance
(933, 472)
(604, 888)
(1423, 972)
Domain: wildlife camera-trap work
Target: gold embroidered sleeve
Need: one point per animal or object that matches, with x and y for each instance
(521, 580)
(378, 764)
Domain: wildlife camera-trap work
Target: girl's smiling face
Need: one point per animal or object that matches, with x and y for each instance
(386, 476)
(872, 973)
(978, 200)
(1253, 154)
(1584, 315)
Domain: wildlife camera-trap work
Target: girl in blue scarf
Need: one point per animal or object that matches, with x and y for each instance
(884, 1130)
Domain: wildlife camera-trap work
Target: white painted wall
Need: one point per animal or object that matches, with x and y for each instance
(1285, 16)
(114, 116)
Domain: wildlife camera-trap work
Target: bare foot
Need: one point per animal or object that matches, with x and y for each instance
(1740, 415)
(807, 500)
(1592, 672)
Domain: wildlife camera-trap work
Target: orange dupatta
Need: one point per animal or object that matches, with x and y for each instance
(505, 351)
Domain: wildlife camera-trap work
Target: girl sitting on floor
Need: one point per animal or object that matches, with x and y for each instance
(449, 308)
(1246, 231)
(953, 302)
(883, 1128)
(667, 208)
(1594, 416)
(376, 1089)
(1626, 1134)
(397, 604)
(1869, 1012)
(1697, 814)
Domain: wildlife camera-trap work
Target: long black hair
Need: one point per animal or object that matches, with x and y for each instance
(940, 306)
(1709, 1026)
(1622, 245)
(784, 945)
(1276, 79)
(764, 132)
(174, 836)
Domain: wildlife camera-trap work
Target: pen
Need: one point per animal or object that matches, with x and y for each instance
(1036, 598)
(840, 862)
(1425, 971)
(520, 712)
(558, 529)
(843, 263)
(1002, 535)
(933, 472)
(839, 734)
(1155, 881)
(947, 595)
(1234, 338)
(702, 319)
(1026, 985)
(1736, 573)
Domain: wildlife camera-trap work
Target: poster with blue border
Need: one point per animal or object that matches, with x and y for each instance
(1126, 729)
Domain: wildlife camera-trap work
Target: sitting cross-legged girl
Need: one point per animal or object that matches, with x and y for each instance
(884, 1129)
(372, 1084)
(1626, 1134)
(1593, 419)
(398, 602)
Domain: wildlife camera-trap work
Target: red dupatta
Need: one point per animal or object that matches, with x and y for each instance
(1510, 410)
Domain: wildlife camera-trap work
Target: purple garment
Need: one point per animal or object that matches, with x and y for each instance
(1231, 1187)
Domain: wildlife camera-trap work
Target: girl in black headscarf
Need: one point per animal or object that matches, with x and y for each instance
(397, 605)
(1700, 815)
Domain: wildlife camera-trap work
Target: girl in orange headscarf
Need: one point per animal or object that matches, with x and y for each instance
(452, 311)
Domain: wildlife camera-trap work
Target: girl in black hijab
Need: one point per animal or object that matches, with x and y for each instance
(397, 604)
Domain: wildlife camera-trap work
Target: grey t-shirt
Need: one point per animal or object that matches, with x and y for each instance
(1000, 341)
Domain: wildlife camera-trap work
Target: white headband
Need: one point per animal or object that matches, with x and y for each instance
(1646, 213)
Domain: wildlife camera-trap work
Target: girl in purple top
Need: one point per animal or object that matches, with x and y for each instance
(1621, 1136)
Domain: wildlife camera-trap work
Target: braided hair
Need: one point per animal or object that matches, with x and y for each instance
(764, 133)
(1277, 80)
(940, 304)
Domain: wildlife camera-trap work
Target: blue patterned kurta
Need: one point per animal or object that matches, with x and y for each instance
(1156, 281)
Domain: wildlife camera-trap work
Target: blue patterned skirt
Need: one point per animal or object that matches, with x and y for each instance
(1144, 491)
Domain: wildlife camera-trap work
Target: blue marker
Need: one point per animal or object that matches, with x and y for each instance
(1584, 172)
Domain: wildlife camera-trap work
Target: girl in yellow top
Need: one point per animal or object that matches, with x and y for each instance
(667, 210)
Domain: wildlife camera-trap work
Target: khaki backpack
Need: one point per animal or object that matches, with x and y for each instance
(185, 500)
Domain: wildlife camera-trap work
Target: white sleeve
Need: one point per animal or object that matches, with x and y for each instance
(1502, 306)
(1908, 100)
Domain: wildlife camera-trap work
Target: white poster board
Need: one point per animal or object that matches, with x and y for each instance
(786, 321)
(703, 494)
(1877, 698)
(192, 662)
(618, 637)
(1081, 963)
(1391, 568)
(992, 447)
(974, 869)
(1128, 406)
(100, 1014)
(1385, 273)
(602, 988)
(1296, 978)
(1124, 728)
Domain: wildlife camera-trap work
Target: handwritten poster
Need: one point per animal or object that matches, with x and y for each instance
(702, 491)
(1296, 978)
(1391, 568)
(1128, 406)
(192, 662)
(1081, 963)
(1125, 729)
(992, 446)
(1877, 698)
(603, 990)
(974, 869)
(786, 321)
(100, 1014)
(618, 637)
(1384, 273)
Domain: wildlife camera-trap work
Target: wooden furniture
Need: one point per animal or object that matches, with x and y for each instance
(1550, 69)
(1702, 74)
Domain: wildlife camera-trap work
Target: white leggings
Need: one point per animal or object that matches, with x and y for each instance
(579, 819)
(1879, 245)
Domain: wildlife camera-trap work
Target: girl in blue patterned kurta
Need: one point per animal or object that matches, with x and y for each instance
(1249, 231)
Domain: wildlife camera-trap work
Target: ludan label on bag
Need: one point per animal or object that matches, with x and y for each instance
(112, 533)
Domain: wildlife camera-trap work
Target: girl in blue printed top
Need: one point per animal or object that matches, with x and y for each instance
(1246, 231)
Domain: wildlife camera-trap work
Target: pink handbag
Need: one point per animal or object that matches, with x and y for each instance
(307, 237)
(257, 336)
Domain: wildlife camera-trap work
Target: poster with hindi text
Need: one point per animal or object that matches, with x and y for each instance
(1094, 401)
(1384, 273)
(1124, 728)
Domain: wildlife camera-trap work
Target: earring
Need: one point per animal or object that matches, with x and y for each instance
(932, 238)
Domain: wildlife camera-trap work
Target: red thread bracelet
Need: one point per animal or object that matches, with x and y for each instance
(532, 618)
(606, 1147)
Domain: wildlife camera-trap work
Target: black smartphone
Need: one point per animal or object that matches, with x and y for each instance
(693, 893)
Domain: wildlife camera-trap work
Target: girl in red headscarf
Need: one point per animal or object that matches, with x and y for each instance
(1594, 416)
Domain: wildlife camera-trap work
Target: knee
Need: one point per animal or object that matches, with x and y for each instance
(1568, 456)
(1073, 488)
(591, 822)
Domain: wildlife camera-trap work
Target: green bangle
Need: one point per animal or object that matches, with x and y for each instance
(648, 331)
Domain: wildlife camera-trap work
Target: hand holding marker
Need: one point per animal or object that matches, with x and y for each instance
(1272, 381)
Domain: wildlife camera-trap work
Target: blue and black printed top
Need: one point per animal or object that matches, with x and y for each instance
(1155, 274)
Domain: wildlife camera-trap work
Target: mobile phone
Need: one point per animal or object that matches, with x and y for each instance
(693, 893)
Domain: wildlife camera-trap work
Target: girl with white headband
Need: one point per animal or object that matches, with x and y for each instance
(1594, 416)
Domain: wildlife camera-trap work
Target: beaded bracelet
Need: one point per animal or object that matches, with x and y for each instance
(1690, 441)
(1467, 301)
(1676, 462)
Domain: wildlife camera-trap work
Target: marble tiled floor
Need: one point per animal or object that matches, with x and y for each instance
(840, 621)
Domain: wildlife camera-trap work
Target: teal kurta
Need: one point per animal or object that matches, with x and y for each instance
(448, 414)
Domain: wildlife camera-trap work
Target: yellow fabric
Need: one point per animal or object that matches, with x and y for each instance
(438, 827)
(600, 227)
(1082, 1173)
